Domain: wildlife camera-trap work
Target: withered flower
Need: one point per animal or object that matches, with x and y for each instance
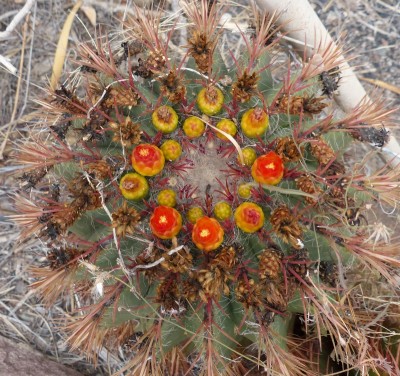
(60, 257)
(287, 149)
(274, 295)
(286, 226)
(225, 258)
(179, 262)
(245, 86)
(121, 96)
(313, 105)
(172, 87)
(213, 283)
(307, 185)
(100, 169)
(126, 132)
(168, 296)
(299, 261)
(292, 104)
(270, 263)
(322, 151)
(125, 220)
(248, 292)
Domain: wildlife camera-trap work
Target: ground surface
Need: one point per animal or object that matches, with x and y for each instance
(370, 27)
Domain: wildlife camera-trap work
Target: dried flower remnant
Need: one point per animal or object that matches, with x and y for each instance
(322, 151)
(330, 81)
(173, 87)
(245, 87)
(193, 209)
(127, 132)
(125, 220)
(306, 184)
(287, 149)
(270, 264)
(204, 35)
(286, 226)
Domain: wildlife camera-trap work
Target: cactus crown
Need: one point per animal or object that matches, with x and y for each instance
(201, 212)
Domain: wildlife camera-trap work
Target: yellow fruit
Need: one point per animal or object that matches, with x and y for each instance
(228, 126)
(222, 210)
(194, 213)
(249, 155)
(167, 197)
(244, 190)
(133, 186)
(165, 119)
(210, 100)
(171, 149)
(254, 122)
(193, 127)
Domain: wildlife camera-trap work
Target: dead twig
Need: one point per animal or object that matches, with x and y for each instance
(21, 65)
(17, 19)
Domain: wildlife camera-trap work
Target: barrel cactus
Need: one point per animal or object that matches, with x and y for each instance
(199, 209)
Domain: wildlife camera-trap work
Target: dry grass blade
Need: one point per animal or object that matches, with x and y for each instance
(382, 84)
(62, 46)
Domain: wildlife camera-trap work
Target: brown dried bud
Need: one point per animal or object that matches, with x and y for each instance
(245, 87)
(287, 149)
(322, 151)
(248, 292)
(172, 87)
(60, 257)
(305, 184)
(168, 295)
(225, 259)
(179, 262)
(274, 296)
(66, 100)
(127, 133)
(121, 96)
(201, 49)
(286, 226)
(213, 283)
(328, 272)
(62, 220)
(313, 105)
(190, 290)
(85, 194)
(270, 264)
(153, 273)
(125, 220)
(335, 170)
(100, 169)
(290, 104)
(299, 262)
(155, 62)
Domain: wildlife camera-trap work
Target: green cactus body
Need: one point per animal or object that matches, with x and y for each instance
(212, 311)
